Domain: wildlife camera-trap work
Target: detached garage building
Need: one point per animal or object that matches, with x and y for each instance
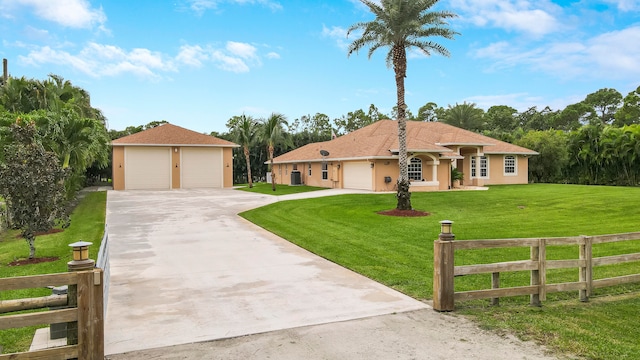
(171, 157)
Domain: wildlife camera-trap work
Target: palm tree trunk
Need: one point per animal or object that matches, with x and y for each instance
(400, 67)
(273, 173)
(249, 177)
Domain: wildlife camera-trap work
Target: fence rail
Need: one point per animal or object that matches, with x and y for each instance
(88, 314)
(445, 270)
(102, 262)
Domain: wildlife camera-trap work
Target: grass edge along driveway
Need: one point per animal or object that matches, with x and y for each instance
(398, 252)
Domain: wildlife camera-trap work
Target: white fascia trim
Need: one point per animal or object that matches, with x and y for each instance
(465, 144)
(512, 153)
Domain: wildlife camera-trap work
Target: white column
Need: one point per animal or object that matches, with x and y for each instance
(434, 171)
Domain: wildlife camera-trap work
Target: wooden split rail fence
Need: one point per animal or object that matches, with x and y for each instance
(88, 314)
(444, 295)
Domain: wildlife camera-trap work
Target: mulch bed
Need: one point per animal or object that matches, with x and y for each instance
(32, 261)
(404, 213)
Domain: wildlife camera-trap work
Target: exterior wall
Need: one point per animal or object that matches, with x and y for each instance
(227, 167)
(444, 174)
(496, 171)
(176, 166)
(117, 166)
(382, 169)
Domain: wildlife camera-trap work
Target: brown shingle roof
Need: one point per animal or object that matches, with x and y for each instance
(169, 134)
(380, 139)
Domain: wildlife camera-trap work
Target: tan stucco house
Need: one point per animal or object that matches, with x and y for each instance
(368, 159)
(171, 157)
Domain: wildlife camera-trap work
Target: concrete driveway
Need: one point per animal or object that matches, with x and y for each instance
(185, 268)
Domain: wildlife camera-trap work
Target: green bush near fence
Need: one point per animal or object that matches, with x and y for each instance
(87, 223)
(398, 252)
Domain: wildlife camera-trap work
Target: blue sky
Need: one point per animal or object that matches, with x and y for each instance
(196, 63)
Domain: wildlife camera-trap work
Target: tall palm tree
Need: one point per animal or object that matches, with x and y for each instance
(272, 134)
(245, 133)
(401, 25)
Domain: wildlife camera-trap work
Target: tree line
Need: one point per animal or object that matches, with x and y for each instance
(594, 141)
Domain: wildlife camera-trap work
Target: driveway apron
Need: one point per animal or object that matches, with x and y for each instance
(186, 268)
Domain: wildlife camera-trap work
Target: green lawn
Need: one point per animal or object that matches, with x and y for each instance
(266, 188)
(399, 251)
(87, 223)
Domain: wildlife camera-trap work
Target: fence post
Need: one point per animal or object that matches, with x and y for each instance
(586, 271)
(80, 262)
(90, 315)
(495, 284)
(534, 299)
(443, 269)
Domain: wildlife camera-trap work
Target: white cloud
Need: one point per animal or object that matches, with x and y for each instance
(235, 57)
(535, 18)
(99, 60)
(200, 6)
(70, 13)
(243, 50)
(625, 5)
(273, 55)
(192, 55)
(338, 34)
(604, 56)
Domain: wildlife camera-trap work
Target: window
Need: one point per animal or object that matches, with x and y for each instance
(484, 167)
(415, 169)
(325, 171)
(309, 169)
(286, 169)
(295, 167)
(510, 165)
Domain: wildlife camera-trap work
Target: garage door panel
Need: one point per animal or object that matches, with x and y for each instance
(201, 168)
(357, 175)
(147, 168)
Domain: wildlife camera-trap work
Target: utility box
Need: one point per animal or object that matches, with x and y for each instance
(387, 179)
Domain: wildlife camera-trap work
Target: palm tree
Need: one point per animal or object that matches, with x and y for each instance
(273, 133)
(401, 25)
(245, 133)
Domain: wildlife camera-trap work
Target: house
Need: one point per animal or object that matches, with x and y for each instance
(171, 157)
(368, 159)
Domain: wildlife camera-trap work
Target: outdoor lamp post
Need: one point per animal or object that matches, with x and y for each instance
(445, 230)
(81, 259)
(443, 268)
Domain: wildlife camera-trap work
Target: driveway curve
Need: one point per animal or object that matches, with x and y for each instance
(185, 268)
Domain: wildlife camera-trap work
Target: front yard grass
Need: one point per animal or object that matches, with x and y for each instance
(398, 252)
(87, 224)
(265, 188)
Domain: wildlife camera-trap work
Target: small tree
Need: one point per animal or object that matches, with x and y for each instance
(32, 182)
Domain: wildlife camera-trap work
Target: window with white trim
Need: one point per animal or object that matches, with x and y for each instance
(510, 165)
(484, 167)
(415, 169)
(325, 171)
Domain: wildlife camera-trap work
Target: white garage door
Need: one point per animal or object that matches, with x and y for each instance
(357, 175)
(201, 168)
(147, 168)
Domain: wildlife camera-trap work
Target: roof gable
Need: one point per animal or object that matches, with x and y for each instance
(169, 134)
